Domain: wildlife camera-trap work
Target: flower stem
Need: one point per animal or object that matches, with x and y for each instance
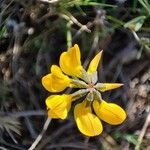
(38, 139)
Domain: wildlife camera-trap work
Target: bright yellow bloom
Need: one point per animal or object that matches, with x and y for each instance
(109, 112)
(88, 121)
(58, 106)
(70, 62)
(56, 81)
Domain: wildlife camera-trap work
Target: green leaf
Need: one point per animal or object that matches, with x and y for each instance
(135, 24)
(2, 32)
(96, 4)
(131, 138)
(146, 5)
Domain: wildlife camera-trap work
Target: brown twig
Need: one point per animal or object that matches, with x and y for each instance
(143, 131)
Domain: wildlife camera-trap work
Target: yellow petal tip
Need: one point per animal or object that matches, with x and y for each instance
(94, 63)
(110, 86)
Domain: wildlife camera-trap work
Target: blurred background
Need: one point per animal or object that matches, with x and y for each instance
(34, 33)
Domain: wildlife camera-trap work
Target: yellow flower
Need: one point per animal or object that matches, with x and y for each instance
(58, 106)
(56, 81)
(88, 121)
(70, 62)
(109, 112)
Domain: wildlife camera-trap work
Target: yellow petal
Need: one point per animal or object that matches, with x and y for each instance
(70, 62)
(56, 81)
(109, 86)
(94, 63)
(46, 82)
(87, 123)
(109, 112)
(58, 106)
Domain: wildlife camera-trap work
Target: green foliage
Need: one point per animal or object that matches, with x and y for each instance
(2, 31)
(131, 138)
(145, 5)
(64, 4)
(135, 24)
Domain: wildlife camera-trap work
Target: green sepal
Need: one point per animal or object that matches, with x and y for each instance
(78, 94)
(88, 103)
(90, 97)
(85, 76)
(94, 77)
(78, 83)
(97, 95)
(99, 86)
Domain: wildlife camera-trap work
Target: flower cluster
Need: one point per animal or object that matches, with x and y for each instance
(88, 113)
